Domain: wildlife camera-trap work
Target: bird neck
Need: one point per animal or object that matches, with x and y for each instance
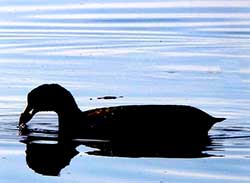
(68, 121)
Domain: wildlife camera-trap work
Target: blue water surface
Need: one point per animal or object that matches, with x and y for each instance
(151, 52)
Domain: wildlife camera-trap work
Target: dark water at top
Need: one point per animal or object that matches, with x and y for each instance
(164, 52)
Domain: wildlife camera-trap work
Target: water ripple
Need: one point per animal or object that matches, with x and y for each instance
(164, 52)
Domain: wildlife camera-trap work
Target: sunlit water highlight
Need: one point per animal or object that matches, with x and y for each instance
(174, 52)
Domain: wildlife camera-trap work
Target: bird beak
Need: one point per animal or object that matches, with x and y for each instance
(26, 116)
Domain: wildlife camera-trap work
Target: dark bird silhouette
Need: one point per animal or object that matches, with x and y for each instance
(143, 124)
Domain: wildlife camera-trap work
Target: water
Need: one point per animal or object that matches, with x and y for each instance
(171, 52)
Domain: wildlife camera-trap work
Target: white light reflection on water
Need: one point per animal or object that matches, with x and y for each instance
(129, 5)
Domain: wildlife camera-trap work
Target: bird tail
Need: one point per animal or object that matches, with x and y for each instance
(216, 120)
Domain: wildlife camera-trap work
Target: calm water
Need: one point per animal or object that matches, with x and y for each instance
(166, 52)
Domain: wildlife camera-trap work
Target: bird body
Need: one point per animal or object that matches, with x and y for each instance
(133, 123)
(142, 122)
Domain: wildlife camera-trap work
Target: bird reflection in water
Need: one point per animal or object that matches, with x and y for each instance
(49, 155)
